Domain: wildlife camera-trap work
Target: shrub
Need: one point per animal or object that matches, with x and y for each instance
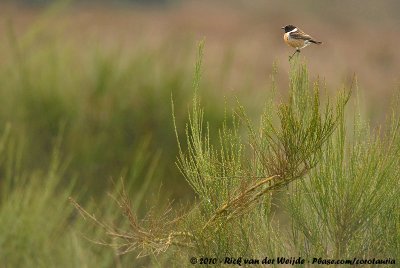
(341, 191)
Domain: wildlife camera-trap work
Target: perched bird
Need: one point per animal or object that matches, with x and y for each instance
(297, 39)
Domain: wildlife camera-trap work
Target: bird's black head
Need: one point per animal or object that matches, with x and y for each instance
(289, 28)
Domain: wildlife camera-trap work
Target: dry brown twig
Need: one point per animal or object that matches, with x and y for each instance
(155, 238)
(240, 201)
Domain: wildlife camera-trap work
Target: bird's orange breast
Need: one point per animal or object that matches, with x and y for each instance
(296, 43)
(286, 37)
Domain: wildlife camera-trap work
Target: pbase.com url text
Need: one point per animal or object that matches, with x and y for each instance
(239, 261)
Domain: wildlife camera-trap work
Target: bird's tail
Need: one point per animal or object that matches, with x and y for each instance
(315, 42)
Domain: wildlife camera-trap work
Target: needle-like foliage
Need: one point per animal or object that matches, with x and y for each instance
(352, 196)
(342, 193)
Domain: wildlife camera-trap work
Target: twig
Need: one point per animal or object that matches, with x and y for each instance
(241, 196)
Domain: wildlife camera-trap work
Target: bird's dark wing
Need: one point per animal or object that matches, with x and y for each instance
(300, 35)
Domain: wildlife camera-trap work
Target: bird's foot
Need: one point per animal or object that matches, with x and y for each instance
(296, 52)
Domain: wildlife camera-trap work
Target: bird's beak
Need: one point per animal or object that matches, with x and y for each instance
(283, 28)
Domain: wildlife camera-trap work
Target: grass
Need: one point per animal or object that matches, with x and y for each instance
(87, 139)
(39, 227)
(73, 124)
(340, 192)
(340, 209)
(104, 104)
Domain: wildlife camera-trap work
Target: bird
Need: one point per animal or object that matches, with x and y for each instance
(297, 39)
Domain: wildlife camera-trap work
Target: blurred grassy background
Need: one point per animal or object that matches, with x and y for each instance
(98, 75)
(101, 73)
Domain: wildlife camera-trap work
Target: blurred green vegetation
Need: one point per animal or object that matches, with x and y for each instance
(104, 104)
(38, 225)
(141, 2)
(338, 176)
(74, 120)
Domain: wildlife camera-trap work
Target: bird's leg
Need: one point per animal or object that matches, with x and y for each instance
(297, 51)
